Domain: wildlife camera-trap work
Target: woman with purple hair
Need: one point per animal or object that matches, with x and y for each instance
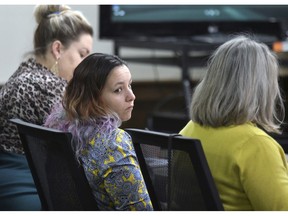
(97, 99)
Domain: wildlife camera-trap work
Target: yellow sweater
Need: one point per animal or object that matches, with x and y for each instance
(248, 166)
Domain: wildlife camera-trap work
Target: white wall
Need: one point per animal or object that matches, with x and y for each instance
(16, 38)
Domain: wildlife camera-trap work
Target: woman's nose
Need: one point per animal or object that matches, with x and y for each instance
(131, 96)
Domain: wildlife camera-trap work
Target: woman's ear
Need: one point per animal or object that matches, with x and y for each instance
(56, 49)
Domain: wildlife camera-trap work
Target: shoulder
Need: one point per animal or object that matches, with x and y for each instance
(188, 128)
(113, 139)
(257, 136)
(252, 137)
(262, 146)
(262, 141)
(121, 135)
(120, 139)
(35, 75)
(110, 148)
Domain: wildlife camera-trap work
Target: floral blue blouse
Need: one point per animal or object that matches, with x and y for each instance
(109, 161)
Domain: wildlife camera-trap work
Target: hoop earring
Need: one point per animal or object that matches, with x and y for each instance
(54, 69)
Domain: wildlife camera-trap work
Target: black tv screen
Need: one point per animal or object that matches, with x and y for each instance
(190, 21)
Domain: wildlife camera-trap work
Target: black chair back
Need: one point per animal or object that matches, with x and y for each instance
(59, 178)
(176, 171)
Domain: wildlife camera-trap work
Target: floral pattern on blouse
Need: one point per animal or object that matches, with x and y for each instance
(109, 160)
(114, 174)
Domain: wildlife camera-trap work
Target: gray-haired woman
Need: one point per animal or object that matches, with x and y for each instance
(232, 108)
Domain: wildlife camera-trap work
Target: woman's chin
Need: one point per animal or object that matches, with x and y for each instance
(125, 118)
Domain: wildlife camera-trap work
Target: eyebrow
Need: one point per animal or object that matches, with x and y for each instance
(122, 82)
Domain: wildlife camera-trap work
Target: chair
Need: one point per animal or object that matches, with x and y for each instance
(59, 178)
(175, 171)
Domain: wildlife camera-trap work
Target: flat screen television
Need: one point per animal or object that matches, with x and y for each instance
(143, 22)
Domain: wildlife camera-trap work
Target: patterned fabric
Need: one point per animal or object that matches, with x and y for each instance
(29, 95)
(109, 161)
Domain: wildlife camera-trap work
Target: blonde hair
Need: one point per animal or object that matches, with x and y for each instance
(58, 22)
(241, 85)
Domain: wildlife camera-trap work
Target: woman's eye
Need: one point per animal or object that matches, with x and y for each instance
(83, 54)
(130, 86)
(118, 90)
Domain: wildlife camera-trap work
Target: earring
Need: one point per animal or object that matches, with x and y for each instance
(54, 69)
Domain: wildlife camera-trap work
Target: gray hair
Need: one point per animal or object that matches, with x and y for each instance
(241, 85)
(58, 22)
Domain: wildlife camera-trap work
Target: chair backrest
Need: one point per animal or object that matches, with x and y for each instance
(176, 171)
(59, 178)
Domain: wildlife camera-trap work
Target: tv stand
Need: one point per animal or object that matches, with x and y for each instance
(219, 38)
(215, 38)
(183, 59)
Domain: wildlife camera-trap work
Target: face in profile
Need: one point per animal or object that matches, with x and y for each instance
(117, 94)
(73, 55)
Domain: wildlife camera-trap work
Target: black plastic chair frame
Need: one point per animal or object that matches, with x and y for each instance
(26, 131)
(177, 142)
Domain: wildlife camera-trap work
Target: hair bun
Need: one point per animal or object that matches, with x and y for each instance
(43, 11)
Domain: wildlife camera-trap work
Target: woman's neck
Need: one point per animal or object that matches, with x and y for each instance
(45, 61)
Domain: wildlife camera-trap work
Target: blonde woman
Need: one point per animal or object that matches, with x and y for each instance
(62, 39)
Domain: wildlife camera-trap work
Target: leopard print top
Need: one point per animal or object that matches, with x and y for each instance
(29, 94)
